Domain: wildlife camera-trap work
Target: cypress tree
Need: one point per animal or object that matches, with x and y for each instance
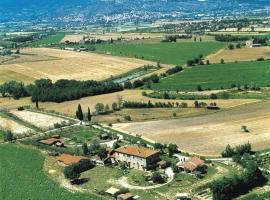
(89, 116)
(79, 113)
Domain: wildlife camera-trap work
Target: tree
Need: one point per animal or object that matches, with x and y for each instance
(85, 149)
(157, 178)
(231, 46)
(222, 61)
(128, 85)
(120, 101)
(196, 104)
(79, 113)
(172, 148)
(199, 88)
(158, 146)
(89, 116)
(99, 108)
(8, 136)
(71, 172)
(114, 106)
(207, 62)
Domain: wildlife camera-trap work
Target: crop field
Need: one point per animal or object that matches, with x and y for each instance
(23, 172)
(41, 121)
(48, 40)
(59, 64)
(127, 95)
(14, 127)
(243, 54)
(167, 53)
(70, 107)
(216, 76)
(209, 134)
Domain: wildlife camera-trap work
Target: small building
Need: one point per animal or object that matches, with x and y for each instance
(193, 164)
(67, 159)
(182, 196)
(250, 44)
(126, 196)
(112, 191)
(53, 141)
(136, 157)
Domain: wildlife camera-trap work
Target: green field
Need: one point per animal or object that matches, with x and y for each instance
(217, 75)
(48, 40)
(166, 53)
(22, 177)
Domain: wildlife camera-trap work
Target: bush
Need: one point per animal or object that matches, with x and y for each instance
(157, 178)
(127, 117)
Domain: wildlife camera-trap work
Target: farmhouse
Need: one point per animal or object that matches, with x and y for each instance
(250, 43)
(136, 157)
(192, 164)
(67, 159)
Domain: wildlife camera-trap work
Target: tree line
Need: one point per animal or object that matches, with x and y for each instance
(62, 90)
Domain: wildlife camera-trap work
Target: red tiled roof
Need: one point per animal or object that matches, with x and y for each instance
(69, 159)
(193, 163)
(136, 151)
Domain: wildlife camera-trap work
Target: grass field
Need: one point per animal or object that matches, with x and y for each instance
(167, 53)
(48, 40)
(59, 64)
(216, 76)
(22, 172)
(209, 134)
(243, 54)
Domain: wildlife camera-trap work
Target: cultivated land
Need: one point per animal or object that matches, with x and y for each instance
(70, 107)
(109, 36)
(167, 53)
(22, 170)
(13, 126)
(60, 64)
(243, 54)
(39, 120)
(216, 76)
(209, 134)
(48, 40)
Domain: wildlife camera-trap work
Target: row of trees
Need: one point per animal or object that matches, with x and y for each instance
(62, 90)
(134, 104)
(240, 150)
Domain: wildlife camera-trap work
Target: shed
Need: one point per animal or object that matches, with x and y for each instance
(112, 191)
(126, 196)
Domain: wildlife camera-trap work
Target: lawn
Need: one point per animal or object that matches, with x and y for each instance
(79, 134)
(48, 40)
(101, 178)
(22, 177)
(166, 53)
(217, 76)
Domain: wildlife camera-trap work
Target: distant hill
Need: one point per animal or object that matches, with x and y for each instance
(80, 10)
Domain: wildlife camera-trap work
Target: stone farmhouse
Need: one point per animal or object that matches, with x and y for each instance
(136, 157)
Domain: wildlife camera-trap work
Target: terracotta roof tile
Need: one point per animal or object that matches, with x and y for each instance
(69, 159)
(136, 151)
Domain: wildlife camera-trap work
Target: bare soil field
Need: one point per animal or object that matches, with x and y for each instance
(243, 54)
(42, 121)
(59, 64)
(13, 126)
(209, 134)
(72, 38)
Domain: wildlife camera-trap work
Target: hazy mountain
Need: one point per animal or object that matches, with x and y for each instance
(87, 9)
